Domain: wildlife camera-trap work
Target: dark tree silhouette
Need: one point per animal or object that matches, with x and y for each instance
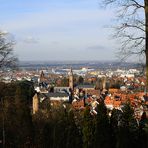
(88, 129)
(102, 129)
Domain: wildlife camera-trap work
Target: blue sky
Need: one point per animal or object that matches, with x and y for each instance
(58, 29)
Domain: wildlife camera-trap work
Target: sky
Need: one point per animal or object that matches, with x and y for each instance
(55, 30)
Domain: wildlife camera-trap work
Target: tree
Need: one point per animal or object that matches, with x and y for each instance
(102, 129)
(143, 131)
(114, 120)
(80, 80)
(128, 129)
(43, 129)
(88, 129)
(65, 82)
(132, 28)
(72, 132)
(23, 120)
(7, 59)
(15, 116)
(66, 133)
(27, 89)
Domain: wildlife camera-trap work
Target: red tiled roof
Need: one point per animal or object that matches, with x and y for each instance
(108, 100)
(78, 104)
(116, 103)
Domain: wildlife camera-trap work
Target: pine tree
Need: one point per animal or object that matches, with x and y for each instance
(143, 131)
(102, 130)
(128, 129)
(41, 130)
(88, 129)
(73, 134)
(23, 118)
(114, 121)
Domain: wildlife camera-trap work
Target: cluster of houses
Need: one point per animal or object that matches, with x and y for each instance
(82, 95)
(131, 89)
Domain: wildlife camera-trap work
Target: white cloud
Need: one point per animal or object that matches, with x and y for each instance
(62, 33)
(55, 18)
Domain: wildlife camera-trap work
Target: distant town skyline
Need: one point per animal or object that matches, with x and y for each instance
(59, 29)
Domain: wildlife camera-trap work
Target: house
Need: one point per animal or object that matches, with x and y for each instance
(52, 98)
(108, 102)
(78, 105)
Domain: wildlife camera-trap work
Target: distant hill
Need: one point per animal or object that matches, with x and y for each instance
(78, 64)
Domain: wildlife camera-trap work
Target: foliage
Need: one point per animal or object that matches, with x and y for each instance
(65, 82)
(16, 114)
(143, 131)
(57, 127)
(80, 80)
(128, 127)
(102, 129)
(88, 129)
(114, 125)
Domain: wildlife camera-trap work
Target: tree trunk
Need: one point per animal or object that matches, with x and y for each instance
(146, 40)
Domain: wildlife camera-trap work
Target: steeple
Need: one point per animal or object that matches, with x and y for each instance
(42, 77)
(104, 83)
(71, 79)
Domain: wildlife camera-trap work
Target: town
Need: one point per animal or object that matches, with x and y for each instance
(52, 99)
(86, 86)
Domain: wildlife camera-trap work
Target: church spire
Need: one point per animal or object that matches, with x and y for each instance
(42, 77)
(71, 79)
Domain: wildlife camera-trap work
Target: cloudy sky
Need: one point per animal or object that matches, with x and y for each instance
(58, 29)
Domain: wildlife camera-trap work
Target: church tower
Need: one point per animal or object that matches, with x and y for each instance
(42, 77)
(71, 79)
(35, 103)
(104, 83)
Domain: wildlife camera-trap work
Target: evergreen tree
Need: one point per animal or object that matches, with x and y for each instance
(80, 80)
(143, 131)
(73, 134)
(65, 82)
(114, 121)
(88, 129)
(43, 130)
(27, 91)
(9, 117)
(128, 129)
(102, 130)
(15, 134)
(23, 122)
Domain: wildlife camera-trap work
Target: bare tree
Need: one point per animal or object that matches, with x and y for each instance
(7, 58)
(132, 27)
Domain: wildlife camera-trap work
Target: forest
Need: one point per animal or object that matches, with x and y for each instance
(59, 127)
